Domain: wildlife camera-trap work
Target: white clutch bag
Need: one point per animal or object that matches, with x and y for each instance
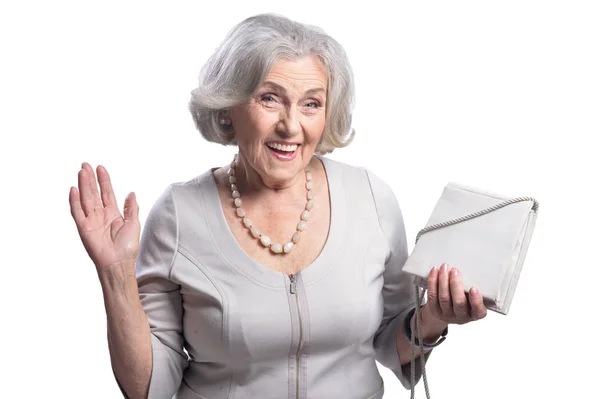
(484, 235)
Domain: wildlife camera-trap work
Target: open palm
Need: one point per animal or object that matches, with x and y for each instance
(109, 238)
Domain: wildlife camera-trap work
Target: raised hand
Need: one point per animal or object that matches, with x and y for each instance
(109, 238)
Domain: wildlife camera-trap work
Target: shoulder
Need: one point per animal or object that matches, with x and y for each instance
(182, 193)
(343, 170)
(176, 199)
(179, 209)
(364, 190)
(362, 178)
(199, 182)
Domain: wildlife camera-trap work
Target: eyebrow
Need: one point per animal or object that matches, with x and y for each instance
(282, 89)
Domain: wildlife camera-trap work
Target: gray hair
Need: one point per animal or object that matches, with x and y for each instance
(242, 61)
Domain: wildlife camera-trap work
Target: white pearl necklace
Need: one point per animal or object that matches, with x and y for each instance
(256, 233)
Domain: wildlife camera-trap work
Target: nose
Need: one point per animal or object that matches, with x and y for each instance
(289, 122)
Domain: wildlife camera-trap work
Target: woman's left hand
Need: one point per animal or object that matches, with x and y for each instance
(446, 298)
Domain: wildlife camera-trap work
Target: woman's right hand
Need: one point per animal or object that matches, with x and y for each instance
(111, 240)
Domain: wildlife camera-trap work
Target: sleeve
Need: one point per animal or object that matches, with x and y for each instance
(398, 289)
(161, 297)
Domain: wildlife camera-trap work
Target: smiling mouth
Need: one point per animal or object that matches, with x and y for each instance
(283, 148)
(283, 152)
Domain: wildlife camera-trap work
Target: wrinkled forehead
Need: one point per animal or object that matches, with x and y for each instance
(302, 74)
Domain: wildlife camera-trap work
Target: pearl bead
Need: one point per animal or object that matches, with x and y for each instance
(309, 205)
(255, 232)
(302, 226)
(241, 212)
(232, 179)
(288, 247)
(276, 248)
(233, 187)
(309, 195)
(308, 176)
(247, 222)
(296, 237)
(231, 172)
(237, 202)
(304, 215)
(309, 185)
(235, 194)
(265, 240)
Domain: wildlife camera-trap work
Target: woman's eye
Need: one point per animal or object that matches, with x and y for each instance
(267, 98)
(313, 104)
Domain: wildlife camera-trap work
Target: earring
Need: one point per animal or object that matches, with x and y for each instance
(224, 121)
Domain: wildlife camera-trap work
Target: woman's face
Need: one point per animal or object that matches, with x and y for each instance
(278, 129)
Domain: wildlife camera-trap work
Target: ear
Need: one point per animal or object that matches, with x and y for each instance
(225, 118)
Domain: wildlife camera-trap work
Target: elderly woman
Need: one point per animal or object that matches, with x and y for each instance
(278, 275)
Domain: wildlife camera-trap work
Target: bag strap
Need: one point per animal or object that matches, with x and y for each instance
(473, 215)
(420, 292)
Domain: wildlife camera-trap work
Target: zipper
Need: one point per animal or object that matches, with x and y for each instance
(301, 339)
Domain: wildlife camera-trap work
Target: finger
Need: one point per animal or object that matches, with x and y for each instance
(432, 290)
(85, 193)
(460, 304)
(131, 209)
(478, 309)
(96, 201)
(76, 210)
(444, 292)
(106, 190)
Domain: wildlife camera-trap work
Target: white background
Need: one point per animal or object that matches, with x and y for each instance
(501, 95)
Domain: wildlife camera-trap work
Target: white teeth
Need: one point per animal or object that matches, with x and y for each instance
(286, 148)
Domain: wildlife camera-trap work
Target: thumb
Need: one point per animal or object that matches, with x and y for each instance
(131, 208)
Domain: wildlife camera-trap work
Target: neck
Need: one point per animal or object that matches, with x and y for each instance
(250, 182)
